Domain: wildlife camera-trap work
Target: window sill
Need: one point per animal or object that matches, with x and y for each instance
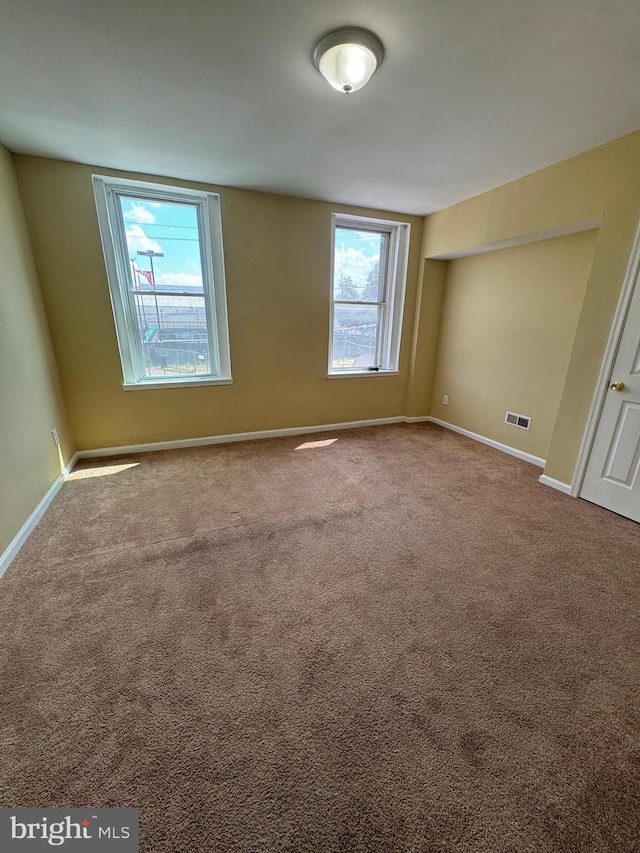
(174, 383)
(362, 373)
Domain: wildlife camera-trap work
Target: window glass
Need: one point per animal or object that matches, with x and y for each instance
(356, 269)
(355, 329)
(173, 334)
(163, 246)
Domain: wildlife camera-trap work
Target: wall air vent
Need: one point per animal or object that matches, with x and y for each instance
(522, 421)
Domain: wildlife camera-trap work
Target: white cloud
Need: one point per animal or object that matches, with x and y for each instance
(138, 241)
(355, 264)
(139, 213)
(179, 279)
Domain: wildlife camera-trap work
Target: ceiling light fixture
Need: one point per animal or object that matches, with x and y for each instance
(347, 58)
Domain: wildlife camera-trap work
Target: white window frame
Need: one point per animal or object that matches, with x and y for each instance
(393, 280)
(107, 192)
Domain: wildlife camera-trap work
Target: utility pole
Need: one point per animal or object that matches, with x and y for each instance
(142, 320)
(151, 255)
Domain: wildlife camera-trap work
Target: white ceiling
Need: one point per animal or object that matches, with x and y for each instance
(471, 93)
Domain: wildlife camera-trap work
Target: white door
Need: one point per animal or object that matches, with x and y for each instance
(612, 479)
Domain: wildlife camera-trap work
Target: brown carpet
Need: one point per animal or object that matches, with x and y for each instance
(397, 641)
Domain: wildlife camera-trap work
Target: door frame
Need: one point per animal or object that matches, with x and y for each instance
(632, 276)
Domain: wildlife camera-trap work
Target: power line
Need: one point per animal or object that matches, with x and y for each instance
(160, 225)
(179, 239)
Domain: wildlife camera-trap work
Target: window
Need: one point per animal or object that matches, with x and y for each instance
(163, 253)
(369, 271)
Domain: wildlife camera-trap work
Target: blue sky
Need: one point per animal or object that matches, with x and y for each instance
(168, 228)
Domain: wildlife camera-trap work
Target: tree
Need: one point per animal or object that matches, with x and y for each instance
(373, 278)
(346, 289)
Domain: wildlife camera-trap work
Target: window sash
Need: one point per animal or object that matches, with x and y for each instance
(183, 294)
(380, 302)
(135, 343)
(391, 290)
(355, 302)
(122, 279)
(383, 262)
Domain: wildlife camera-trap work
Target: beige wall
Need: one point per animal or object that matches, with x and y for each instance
(30, 398)
(425, 337)
(602, 183)
(508, 323)
(277, 257)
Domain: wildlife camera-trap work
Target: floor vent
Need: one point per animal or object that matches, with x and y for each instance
(522, 421)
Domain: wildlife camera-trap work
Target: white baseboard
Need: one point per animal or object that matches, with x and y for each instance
(127, 449)
(565, 488)
(124, 450)
(505, 448)
(25, 531)
(71, 464)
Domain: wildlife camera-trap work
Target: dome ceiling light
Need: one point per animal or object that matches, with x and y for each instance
(347, 58)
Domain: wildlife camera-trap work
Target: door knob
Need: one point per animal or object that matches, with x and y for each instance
(617, 386)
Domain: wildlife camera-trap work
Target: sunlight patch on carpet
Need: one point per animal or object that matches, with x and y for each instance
(311, 445)
(101, 471)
